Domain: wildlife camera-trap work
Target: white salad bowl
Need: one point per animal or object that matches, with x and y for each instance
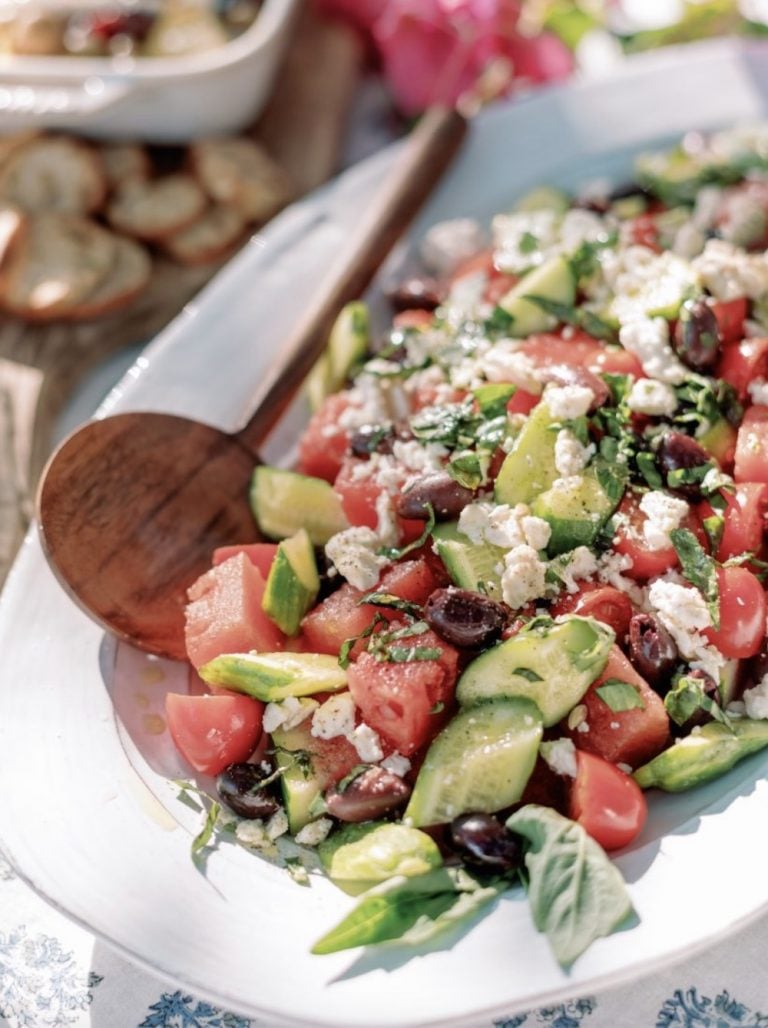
(87, 813)
(163, 99)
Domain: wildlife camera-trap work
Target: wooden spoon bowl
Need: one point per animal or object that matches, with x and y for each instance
(131, 507)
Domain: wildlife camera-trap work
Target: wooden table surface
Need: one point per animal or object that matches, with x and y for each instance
(41, 365)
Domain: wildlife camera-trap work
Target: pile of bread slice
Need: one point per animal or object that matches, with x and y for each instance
(80, 222)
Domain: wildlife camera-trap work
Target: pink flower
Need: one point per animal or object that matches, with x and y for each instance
(435, 50)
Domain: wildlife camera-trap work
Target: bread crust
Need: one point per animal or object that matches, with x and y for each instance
(237, 171)
(214, 234)
(54, 264)
(53, 173)
(157, 208)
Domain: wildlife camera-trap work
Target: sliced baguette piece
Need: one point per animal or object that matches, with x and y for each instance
(238, 171)
(58, 260)
(130, 275)
(124, 162)
(215, 233)
(50, 173)
(158, 208)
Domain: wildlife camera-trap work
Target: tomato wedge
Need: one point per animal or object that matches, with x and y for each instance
(211, 732)
(607, 803)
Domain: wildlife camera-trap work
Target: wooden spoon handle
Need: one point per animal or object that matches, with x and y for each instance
(428, 152)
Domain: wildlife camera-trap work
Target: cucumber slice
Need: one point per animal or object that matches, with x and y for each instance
(550, 663)
(544, 198)
(481, 761)
(271, 677)
(360, 855)
(575, 512)
(470, 565)
(283, 502)
(696, 759)
(292, 584)
(529, 469)
(553, 280)
(300, 787)
(347, 346)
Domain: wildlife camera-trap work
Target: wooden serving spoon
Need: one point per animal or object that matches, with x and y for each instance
(131, 507)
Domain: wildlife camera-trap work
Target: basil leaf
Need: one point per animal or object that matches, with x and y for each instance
(620, 696)
(407, 654)
(576, 894)
(410, 910)
(595, 326)
(646, 465)
(699, 568)
(348, 644)
(395, 553)
(392, 602)
(564, 312)
(528, 674)
(613, 478)
(499, 323)
(687, 697)
(528, 243)
(492, 399)
(205, 834)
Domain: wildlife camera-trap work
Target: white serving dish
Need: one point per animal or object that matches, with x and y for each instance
(87, 814)
(160, 99)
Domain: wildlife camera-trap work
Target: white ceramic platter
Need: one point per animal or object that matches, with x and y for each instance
(90, 820)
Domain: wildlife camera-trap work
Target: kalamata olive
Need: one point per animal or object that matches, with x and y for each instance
(569, 374)
(678, 452)
(697, 339)
(370, 439)
(652, 651)
(240, 788)
(370, 795)
(756, 668)
(627, 189)
(482, 842)
(464, 618)
(413, 294)
(445, 495)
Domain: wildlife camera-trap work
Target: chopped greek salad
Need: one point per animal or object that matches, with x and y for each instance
(515, 583)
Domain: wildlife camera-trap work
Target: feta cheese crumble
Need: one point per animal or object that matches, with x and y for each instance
(314, 833)
(758, 391)
(569, 401)
(648, 340)
(756, 700)
(560, 754)
(523, 577)
(649, 396)
(504, 526)
(682, 610)
(335, 717)
(729, 273)
(288, 713)
(571, 456)
(353, 553)
(367, 743)
(664, 513)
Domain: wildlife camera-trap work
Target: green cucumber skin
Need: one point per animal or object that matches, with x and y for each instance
(708, 754)
(566, 659)
(284, 502)
(273, 677)
(481, 761)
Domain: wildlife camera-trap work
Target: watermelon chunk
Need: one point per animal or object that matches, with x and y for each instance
(260, 555)
(406, 703)
(224, 614)
(341, 616)
(623, 736)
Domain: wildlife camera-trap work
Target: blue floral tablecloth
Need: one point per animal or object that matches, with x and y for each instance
(53, 974)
